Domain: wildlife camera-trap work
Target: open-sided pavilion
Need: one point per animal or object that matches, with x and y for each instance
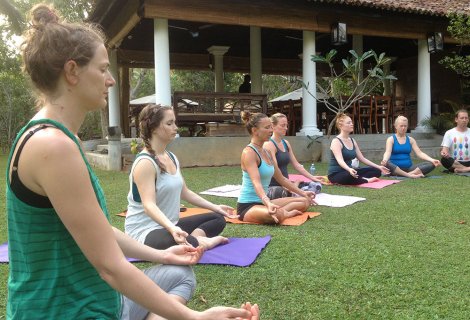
(273, 37)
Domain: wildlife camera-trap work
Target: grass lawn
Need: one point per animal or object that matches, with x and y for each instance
(402, 254)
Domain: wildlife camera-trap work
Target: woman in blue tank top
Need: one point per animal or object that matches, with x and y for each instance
(258, 168)
(397, 156)
(281, 150)
(343, 150)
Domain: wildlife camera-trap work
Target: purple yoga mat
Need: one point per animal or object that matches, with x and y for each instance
(4, 252)
(240, 252)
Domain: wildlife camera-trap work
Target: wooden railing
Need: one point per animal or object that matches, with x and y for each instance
(198, 107)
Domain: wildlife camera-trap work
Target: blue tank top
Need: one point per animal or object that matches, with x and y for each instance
(247, 192)
(282, 159)
(348, 156)
(401, 153)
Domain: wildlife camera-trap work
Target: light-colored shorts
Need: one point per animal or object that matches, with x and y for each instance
(175, 280)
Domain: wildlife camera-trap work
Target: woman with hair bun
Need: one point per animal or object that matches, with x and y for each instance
(258, 167)
(157, 186)
(66, 260)
(343, 150)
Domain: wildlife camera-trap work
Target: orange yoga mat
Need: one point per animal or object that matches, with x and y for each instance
(294, 221)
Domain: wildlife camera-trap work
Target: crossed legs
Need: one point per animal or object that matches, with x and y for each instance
(288, 207)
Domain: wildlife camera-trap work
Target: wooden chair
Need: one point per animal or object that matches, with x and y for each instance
(364, 114)
(398, 107)
(382, 111)
(288, 109)
(411, 107)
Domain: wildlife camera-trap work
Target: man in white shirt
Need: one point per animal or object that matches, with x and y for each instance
(455, 149)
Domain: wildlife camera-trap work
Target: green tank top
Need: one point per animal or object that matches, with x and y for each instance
(49, 277)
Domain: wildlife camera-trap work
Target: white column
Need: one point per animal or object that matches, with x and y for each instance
(114, 126)
(309, 103)
(162, 62)
(256, 60)
(113, 97)
(424, 85)
(218, 53)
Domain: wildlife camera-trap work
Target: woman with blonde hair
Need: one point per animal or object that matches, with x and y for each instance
(258, 167)
(66, 260)
(343, 150)
(281, 151)
(397, 153)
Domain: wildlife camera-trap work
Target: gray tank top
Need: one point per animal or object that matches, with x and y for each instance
(167, 193)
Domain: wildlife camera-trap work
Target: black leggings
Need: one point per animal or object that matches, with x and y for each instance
(211, 223)
(425, 167)
(449, 162)
(344, 177)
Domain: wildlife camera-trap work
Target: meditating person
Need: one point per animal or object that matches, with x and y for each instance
(343, 150)
(455, 151)
(66, 260)
(397, 156)
(258, 167)
(156, 188)
(281, 150)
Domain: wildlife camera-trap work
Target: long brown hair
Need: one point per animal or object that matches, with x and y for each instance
(150, 118)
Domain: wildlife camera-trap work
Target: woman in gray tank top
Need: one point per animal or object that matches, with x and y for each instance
(157, 187)
(281, 150)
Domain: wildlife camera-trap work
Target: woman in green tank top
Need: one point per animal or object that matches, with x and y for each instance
(66, 260)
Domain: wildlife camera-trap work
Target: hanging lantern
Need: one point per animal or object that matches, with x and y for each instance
(339, 34)
(435, 42)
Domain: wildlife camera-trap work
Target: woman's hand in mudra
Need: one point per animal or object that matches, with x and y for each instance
(227, 211)
(179, 235)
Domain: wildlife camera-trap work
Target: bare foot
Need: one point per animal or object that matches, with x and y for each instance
(373, 179)
(417, 172)
(209, 243)
(282, 214)
(293, 213)
(416, 176)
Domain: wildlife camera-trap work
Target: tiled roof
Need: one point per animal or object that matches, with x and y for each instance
(425, 7)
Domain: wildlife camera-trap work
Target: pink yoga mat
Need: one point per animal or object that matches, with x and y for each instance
(298, 177)
(378, 184)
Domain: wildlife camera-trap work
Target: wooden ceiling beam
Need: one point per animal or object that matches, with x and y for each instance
(300, 15)
(144, 59)
(118, 26)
